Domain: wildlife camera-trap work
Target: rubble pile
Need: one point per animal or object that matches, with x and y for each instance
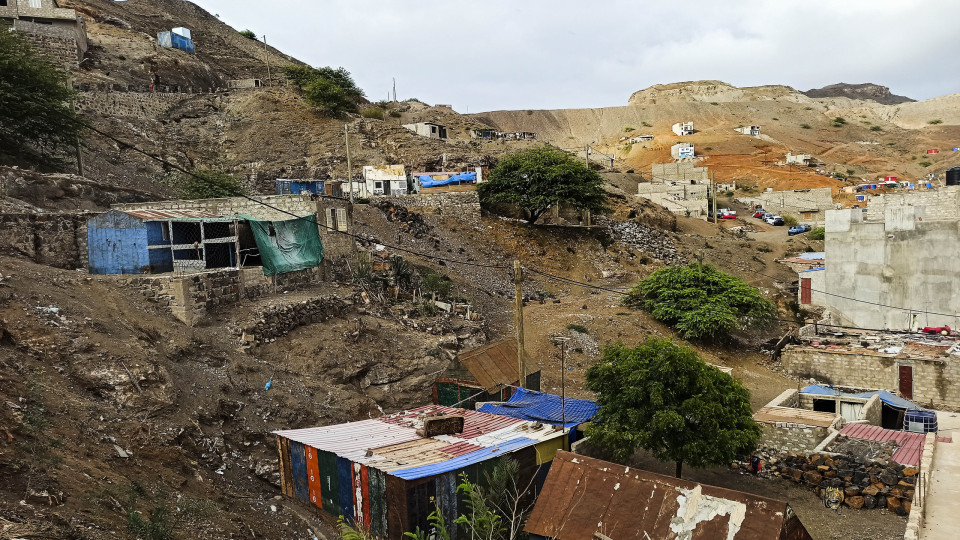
(647, 239)
(409, 222)
(865, 484)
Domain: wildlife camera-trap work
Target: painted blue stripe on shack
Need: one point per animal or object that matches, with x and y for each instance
(298, 464)
(345, 481)
(465, 460)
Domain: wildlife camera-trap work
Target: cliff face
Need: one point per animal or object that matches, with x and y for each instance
(874, 92)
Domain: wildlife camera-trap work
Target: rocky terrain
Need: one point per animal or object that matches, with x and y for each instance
(873, 92)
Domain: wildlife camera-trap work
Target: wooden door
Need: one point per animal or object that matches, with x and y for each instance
(906, 381)
(805, 291)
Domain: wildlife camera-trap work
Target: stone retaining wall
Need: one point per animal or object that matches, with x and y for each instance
(58, 240)
(144, 106)
(792, 437)
(277, 321)
(461, 203)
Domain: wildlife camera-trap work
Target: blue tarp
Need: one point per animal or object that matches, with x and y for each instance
(812, 269)
(540, 407)
(890, 399)
(457, 178)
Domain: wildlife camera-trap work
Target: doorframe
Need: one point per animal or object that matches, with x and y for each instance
(912, 375)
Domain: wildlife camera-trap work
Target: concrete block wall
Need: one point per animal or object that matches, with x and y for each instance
(918, 511)
(58, 240)
(935, 379)
(872, 412)
(791, 437)
(940, 203)
(795, 203)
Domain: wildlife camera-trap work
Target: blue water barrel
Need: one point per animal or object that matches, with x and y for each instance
(920, 421)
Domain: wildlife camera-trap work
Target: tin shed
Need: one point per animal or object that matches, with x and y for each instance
(386, 476)
(486, 373)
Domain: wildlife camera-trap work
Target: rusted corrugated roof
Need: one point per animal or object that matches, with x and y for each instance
(158, 215)
(495, 364)
(475, 423)
(583, 496)
(796, 416)
(911, 444)
(352, 440)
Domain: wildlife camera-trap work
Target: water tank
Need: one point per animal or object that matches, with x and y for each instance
(953, 176)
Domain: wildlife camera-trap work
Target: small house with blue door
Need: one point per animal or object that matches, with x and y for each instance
(386, 475)
(158, 241)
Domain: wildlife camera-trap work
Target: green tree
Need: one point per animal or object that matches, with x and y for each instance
(327, 89)
(35, 110)
(661, 397)
(249, 34)
(817, 233)
(209, 184)
(540, 178)
(701, 302)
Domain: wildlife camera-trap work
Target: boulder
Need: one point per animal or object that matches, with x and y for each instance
(851, 491)
(854, 502)
(871, 490)
(910, 471)
(869, 501)
(812, 478)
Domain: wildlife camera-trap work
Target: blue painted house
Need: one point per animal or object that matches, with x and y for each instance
(157, 241)
(286, 186)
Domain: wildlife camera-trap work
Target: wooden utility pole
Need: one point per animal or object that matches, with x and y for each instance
(266, 57)
(586, 155)
(521, 361)
(346, 134)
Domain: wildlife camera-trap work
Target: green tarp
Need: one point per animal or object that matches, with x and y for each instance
(287, 246)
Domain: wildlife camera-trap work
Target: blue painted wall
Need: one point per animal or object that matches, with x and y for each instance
(287, 187)
(161, 260)
(117, 244)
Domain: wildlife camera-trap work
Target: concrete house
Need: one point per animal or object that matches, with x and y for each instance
(57, 31)
(385, 179)
(428, 129)
(807, 205)
(803, 160)
(682, 150)
(585, 498)
(683, 128)
(753, 131)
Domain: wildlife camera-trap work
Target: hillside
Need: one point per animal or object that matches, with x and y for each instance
(877, 140)
(866, 91)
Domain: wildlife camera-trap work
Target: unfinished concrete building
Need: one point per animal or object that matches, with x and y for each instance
(807, 205)
(753, 131)
(683, 128)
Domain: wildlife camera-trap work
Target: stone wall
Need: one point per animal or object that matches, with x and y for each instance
(934, 378)
(143, 106)
(277, 321)
(918, 514)
(190, 297)
(791, 437)
(941, 203)
(460, 203)
(61, 44)
(58, 240)
(283, 206)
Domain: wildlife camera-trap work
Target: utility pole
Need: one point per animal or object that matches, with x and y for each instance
(586, 156)
(563, 383)
(713, 191)
(266, 58)
(394, 89)
(521, 361)
(346, 134)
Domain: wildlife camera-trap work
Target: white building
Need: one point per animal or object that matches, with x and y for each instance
(384, 180)
(682, 150)
(798, 159)
(683, 128)
(753, 131)
(428, 129)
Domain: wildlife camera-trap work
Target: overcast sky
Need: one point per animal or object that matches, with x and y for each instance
(545, 54)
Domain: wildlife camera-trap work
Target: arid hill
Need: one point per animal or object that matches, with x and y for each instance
(874, 92)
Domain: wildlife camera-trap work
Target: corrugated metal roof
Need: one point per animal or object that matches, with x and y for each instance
(159, 215)
(475, 423)
(796, 416)
(887, 397)
(407, 455)
(494, 364)
(910, 444)
(465, 460)
(547, 408)
(352, 440)
(582, 496)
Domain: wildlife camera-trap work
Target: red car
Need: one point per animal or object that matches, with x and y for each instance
(728, 216)
(942, 330)
(759, 214)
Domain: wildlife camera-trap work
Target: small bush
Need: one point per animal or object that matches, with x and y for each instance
(628, 129)
(790, 221)
(577, 328)
(395, 114)
(413, 100)
(248, 34)
(817, 233)
(208, 184)
(808, 108)
(850, 172)
(372, 112)
(805, 126)
(935, 121)
(777, 119)
(646, 124)
(436, 283)
(839, 121)
(361, 200)
(876, 128)
(763, 248)
(714, 103)
(924, 163)
(707, 149)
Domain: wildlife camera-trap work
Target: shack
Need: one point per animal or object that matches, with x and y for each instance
(289, 186)
(428, 129)
(589, 499)
(386, 475)
(486, 373)
(178, 38)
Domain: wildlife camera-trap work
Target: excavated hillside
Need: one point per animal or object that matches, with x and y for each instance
(875, 140)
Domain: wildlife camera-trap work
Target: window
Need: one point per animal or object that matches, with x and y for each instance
(341, 219)
(36, 4)
(331, 220)
(3, 3)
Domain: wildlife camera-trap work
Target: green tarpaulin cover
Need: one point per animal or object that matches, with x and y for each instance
(287, 246)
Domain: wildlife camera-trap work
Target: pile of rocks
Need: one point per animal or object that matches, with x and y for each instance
(864, 484)
(649, 240)
(409, 222)
(277, 321)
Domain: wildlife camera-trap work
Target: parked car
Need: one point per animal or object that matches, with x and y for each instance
(942, 330)
(760, 213)
(797, 229)
(774, 220)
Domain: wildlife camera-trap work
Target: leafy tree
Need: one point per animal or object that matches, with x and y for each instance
(661, 397)
(330, 90)
(209, 184)
(542, 177)
(34, 100)
(701, 302)
(817, 234)
(249, 34)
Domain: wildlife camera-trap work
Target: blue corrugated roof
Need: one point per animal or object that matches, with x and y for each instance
(545, 408)
(465, 460)
(812, 269)
(886, 397)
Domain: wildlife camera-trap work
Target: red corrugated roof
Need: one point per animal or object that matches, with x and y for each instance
(475, 423)
(910, 444)
(460, 448)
